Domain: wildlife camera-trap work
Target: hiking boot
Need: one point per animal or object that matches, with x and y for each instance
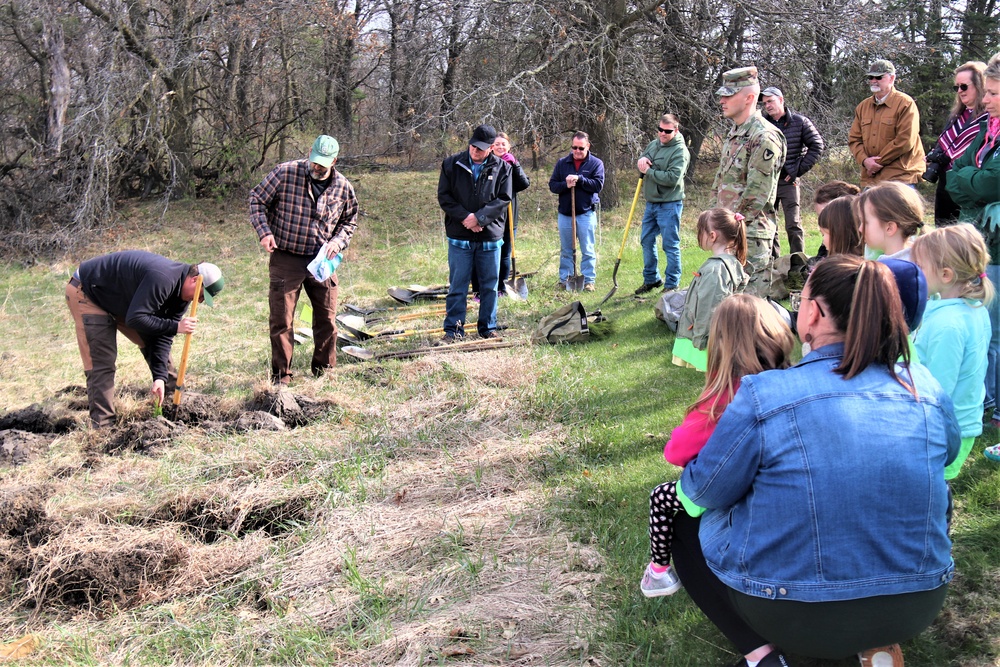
(447, 339)
(589, 287)
(648, 287)
(668, 289)
(884, 656)
(654, 585)
(491, 335)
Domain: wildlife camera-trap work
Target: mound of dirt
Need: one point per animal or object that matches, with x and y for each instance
(22, 511)
(144, 437)
(93, 565)
(38, 419)
(292, 409)
(196, 408)
(256, 420)
(19, 447)
(208, 518)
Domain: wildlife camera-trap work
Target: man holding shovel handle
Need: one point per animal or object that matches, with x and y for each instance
(577, 178)
(144, 296)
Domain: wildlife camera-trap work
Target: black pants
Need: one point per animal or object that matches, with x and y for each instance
(827, 630)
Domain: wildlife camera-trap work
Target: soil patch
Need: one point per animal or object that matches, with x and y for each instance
(144, 437)
(96, 565)
(37, 418)
(19, 447)
(209, 518)
(22, 511)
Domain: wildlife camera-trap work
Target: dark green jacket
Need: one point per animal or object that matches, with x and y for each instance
(973, 188)
(664, 181)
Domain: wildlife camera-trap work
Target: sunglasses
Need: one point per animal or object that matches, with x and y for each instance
(818, 307)
(875, 78)
(962, 86)
(664, 130)
(579, 148)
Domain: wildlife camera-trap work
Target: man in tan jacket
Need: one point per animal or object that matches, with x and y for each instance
(885, 135)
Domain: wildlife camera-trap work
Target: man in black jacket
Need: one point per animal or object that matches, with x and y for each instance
(144, 296)
(805, 146)
(473, 191)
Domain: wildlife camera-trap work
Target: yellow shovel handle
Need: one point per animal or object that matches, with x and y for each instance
(187, 345)
(628, 223)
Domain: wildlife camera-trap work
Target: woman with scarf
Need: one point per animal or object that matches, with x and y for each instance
(974, 184)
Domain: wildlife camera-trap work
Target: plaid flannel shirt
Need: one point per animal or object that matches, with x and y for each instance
(283, 205)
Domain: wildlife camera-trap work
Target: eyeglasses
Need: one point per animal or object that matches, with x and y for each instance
(664, 130)
(579, 148)
(821, 312)
(875, 78)
(962, 86)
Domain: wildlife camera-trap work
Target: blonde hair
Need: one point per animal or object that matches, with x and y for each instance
(746, 337)
(975, 68)
(992, 70)
(960, 248)
(724, 221)
(892, 202)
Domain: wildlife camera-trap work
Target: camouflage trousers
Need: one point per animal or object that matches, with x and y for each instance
(759, 262)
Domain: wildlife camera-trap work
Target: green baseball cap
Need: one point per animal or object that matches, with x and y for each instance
(325, 150)
(880, 67)
(212, 281)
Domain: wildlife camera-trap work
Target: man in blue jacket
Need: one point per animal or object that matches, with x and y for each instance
(580, 175)
(474, 190)
(144, 296)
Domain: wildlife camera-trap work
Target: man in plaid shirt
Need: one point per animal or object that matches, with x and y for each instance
(300, 206)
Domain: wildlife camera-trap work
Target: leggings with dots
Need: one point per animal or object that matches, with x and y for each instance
(663, 507)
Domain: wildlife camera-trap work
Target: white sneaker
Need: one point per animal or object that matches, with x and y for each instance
(654, 585)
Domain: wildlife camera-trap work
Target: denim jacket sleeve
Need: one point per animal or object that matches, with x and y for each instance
(724, 470)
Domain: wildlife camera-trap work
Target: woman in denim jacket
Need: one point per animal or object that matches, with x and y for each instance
(823, 492)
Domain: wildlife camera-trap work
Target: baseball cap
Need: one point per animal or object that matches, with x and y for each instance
(880, 67)
(212, 281)
(736, 80)
(325, 150)
(483, 136)
(912, 289)
(772, 91)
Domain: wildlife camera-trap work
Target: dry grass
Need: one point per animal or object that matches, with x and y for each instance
(410, 526)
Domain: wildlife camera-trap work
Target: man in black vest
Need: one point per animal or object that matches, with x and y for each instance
(805, 146)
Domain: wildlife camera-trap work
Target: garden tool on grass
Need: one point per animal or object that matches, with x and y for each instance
(187, 346)
(361, 335)
(574, 283)
(360, 322)
(628, 223)
(414, 292)
(468, 346)
(516, 287)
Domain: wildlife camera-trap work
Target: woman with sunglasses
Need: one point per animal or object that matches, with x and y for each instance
(821, 492)
(974, 184)
(961, 128)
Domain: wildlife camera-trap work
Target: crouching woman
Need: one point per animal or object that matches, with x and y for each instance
(822, 489)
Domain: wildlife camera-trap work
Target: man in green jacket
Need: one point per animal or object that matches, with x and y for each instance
(663, 165)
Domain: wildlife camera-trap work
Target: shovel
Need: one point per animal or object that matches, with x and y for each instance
(179, 389)
(628, 223)
(470, 346)
(516, 287)
(360, 321)
(414, 292)
(360, 334)
(574, 283)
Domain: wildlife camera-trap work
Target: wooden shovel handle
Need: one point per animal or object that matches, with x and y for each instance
(187, 345)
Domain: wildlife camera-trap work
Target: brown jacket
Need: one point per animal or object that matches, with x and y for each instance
(890, 130)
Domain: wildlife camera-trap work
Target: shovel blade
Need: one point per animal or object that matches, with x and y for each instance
(574, 284)
(517, 288)
(608, 296)
(358, 352)
(401, 294)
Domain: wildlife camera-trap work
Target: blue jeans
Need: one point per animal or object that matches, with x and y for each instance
(993, 355)
(586, 245)
(663, 218)
(485, 257)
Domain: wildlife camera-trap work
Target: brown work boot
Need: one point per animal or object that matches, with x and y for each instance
(884, 656)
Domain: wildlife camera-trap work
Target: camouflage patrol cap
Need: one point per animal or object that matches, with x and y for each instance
(880, 67)
(736, 80)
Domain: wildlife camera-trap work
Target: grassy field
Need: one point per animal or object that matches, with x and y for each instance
(485, 508)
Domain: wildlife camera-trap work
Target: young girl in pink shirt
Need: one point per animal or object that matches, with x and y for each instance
(746, 337)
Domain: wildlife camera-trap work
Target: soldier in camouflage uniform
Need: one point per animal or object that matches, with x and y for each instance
(747, 180)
